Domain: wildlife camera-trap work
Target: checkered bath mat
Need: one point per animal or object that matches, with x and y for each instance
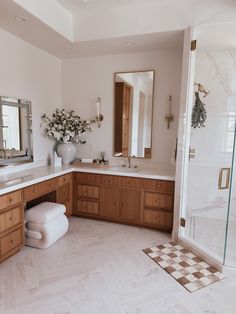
(189, 270)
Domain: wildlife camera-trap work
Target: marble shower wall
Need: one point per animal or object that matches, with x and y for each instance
(206, 204)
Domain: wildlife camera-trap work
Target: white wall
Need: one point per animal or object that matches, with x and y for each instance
(84, 79)
(30, 73)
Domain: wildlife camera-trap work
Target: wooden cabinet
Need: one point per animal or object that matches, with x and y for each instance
(11, 224)
(121, 204)
(11, 243)
(143, 202)
(65, 192)
(87, 194)
(10, 199)
(36, 190)
(163, 220)
(123, 199)
(158, 204)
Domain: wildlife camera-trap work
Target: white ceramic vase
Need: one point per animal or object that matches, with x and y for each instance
(67, 152)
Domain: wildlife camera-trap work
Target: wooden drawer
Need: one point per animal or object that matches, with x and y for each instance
(122, 181)
(10, 199)
(159, 185)
(66, 179)
(38, 189)
(63, 194)
(158, 218)
(88, 191)
(87, 178)
(11, 241)
(159, 201)
(87, 207)
(11, 218)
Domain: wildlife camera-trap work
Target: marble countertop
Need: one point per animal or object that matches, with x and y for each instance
(18, 180)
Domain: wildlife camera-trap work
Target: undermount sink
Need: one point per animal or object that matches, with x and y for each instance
(125, 169)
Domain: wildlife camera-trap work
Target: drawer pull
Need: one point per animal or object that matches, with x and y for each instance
(124, 204)
(13, 241)
(158, 201)
(11, 218)
(131, 183)
(157, 219)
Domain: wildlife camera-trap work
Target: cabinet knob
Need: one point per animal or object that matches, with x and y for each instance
(34, 191)
(11, 218)
(157, 219)
(10, 199)
(13, 241)
(116, 203)
(157, 200)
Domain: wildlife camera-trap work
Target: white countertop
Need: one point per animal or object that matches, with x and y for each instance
(18, 180)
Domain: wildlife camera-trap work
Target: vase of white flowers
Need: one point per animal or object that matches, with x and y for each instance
(67, 128)
(67, 152)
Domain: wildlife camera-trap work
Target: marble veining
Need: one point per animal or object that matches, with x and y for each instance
(99, 267)
(35, 175)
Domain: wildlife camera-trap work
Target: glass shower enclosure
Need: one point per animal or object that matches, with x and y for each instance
(209, 208)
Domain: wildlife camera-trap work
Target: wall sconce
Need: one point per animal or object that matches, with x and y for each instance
(169, 117)
(99, 117)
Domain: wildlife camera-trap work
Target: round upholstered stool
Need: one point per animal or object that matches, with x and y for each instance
(45, 224)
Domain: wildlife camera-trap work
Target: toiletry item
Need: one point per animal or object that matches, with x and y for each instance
(87, 160)
(57, 161)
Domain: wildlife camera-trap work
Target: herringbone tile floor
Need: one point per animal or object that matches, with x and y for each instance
(99, 268)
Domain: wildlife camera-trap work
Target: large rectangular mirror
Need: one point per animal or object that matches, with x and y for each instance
(15, 131)
(133, 113)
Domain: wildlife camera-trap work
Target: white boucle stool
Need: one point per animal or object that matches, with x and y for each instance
(45, 224)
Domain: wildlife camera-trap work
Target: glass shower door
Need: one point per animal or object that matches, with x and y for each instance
(210, 163)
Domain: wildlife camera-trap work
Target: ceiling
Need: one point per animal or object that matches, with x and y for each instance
(78, 28)
(74, 6)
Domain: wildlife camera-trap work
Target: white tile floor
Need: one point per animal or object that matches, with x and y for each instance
(98, 268)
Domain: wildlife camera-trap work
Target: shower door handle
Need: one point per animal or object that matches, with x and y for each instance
(191, 153)
(224, 177)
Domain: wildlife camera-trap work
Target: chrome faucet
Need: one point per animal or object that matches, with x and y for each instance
(129, 161)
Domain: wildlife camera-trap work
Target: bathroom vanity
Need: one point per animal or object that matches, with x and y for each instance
(141, 199)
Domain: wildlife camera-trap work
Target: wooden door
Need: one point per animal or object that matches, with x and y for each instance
(130, 205)
(122, 117)
(111, 205)
(125, 120)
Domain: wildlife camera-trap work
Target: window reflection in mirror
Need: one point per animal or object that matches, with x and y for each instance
(133, 113)
(15, 131)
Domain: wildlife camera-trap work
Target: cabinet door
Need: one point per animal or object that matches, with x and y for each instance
(130, 205)
(111, 206)
(64, 197)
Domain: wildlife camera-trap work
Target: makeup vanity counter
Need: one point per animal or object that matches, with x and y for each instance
(143, 198)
